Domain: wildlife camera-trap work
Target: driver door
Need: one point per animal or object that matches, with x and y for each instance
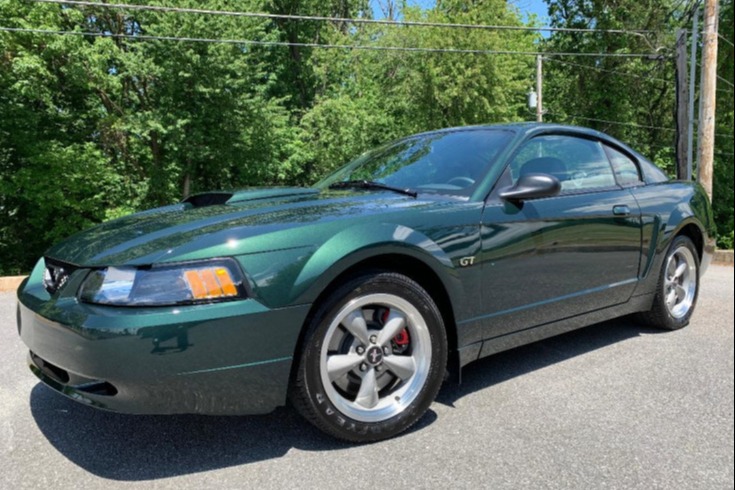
(552, 258)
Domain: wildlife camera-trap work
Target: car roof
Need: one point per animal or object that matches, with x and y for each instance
(528, 129)
(525, 128)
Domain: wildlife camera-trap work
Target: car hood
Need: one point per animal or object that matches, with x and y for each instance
(219, 224)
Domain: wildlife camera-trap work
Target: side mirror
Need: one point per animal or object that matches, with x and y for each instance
(532, 186)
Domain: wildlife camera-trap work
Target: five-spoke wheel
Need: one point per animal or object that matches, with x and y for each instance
(680, 281)
(375, 358)
(678, 286)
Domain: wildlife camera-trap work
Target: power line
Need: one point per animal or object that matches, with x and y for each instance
(672, 149)
(720, 79)
(619, 123)
(632, 75)
(725, 81)
(640, 77)
(689, 31)
(725, 39)
(724, 135)
(144, 37)
(159, 8)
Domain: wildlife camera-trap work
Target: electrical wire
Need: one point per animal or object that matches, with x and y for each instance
(672, 149)
(725, 81)
(144, 37)
(159, 8)
(723, 135)
(632, 75)
(688, 31)
(619, 123)
(725, 39)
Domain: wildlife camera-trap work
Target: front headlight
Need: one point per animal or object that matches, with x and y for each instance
(194, 282)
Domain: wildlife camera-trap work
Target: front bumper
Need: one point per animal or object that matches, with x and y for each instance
(223, 358)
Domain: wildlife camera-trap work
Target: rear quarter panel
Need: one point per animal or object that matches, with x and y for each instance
(666, 209)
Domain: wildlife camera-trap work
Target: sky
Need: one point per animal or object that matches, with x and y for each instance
(537, 7)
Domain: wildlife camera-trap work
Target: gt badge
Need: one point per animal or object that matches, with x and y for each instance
(466, 261)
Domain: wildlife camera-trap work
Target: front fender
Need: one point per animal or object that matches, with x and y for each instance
(359, 243)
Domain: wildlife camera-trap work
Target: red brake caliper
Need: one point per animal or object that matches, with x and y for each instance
(402, 338)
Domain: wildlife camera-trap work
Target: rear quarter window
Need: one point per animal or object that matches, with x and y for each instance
(625, 168)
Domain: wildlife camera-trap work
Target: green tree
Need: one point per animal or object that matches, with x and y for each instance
(367, 97)
(639, 93)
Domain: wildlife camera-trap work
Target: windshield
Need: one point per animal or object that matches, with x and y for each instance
(446, 162)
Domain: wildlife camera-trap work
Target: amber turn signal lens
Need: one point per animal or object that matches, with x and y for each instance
(212, 282)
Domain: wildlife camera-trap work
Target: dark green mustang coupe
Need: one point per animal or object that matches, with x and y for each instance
(353, 298)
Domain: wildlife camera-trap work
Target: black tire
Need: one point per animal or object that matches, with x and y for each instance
(675, 315)
(380, 396)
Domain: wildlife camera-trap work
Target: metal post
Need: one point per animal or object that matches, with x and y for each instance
(681, 104)
(692, 76)
(539, 87)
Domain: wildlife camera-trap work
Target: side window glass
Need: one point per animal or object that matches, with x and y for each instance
(626, 171)
(578, 163)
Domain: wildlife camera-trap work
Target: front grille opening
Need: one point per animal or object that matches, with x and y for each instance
(53, 372)
(74, 381)
(102, 388)
(56, 274)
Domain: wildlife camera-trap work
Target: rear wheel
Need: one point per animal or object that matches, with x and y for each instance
(678, 287)
(374, 359)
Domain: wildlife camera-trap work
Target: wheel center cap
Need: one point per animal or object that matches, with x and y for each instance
(374, 355)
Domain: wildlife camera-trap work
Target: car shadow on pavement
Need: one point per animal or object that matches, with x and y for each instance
(138, 447)
(516, 362)
(146, 447)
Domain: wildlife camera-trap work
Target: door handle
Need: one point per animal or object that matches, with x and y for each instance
(621, 210)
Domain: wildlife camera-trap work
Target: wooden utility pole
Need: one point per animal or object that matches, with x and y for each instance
(705, 151)
(681, 105)
(539, 88)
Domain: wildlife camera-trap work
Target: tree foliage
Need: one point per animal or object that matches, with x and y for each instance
(640, 93)
(92, 128)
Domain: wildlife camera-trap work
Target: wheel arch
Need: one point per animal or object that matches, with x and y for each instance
(427, 270)
(357, 245)
(400, 263)
(691, 218)
(695, 234)
(409, 266)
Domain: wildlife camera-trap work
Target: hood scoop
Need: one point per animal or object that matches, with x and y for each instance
(208, 199)
(217, 198)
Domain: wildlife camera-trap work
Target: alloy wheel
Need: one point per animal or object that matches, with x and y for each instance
(680, 282)
(376, 357)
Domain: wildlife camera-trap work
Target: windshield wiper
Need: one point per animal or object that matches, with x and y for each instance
(369, 184)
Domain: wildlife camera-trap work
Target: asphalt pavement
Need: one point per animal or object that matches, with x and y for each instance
(615, 405)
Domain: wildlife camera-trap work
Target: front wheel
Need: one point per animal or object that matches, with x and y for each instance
(678, 287)
(374, 359)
